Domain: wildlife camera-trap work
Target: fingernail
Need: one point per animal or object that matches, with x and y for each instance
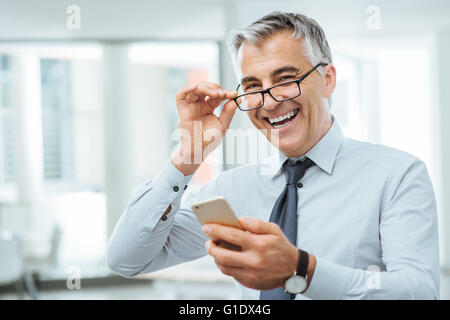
(246, 221)
(207, 244)
(206, 229)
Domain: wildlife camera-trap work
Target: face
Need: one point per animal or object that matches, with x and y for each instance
(278, 59)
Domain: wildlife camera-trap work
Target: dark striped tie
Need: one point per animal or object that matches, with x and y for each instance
(284, 213)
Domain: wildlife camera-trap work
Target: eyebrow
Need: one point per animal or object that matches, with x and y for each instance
(274, 73)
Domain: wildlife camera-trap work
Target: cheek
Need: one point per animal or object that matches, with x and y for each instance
(308, 108)
(256, 122)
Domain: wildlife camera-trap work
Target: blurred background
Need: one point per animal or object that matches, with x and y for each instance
(87, 114)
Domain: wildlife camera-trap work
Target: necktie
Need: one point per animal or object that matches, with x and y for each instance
(284, 213)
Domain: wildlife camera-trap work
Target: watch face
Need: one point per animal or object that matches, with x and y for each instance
(295, 284)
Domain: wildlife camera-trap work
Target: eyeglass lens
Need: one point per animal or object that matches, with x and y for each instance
(279, 93)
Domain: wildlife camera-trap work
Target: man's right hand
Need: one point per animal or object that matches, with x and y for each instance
(201, 131)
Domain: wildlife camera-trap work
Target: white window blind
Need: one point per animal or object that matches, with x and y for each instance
(6, 123)
(56, 119)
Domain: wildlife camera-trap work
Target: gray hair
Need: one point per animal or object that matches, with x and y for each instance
(302, 27)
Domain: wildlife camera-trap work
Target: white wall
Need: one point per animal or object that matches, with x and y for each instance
(150, 132)
(88, 123)
(443, 74)
(23, 19)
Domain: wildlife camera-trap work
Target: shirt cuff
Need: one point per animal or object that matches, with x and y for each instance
(166, 189)
(170, 180)
(329, 281)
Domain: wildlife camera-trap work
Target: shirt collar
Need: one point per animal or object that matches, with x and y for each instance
(323, 153)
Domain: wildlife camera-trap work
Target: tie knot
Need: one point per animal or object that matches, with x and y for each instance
(294, 171)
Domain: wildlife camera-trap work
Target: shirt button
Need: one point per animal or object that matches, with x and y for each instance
(176, 188)
(164, 218)
(299, 185)
(185, 187)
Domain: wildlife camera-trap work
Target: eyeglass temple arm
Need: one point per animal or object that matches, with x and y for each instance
(321, 64)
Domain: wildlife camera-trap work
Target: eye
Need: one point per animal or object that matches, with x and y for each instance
(286, 78)
(251, 86)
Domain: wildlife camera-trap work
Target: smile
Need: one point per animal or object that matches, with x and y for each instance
(283, 120)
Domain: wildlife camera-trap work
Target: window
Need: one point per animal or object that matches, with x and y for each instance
(6, 123)
(56, 119)
(158, 71)
(50, 107)
(65, 86)
(395, 104)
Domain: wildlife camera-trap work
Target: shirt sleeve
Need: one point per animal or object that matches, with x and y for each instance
(410, 251)
(143, 241)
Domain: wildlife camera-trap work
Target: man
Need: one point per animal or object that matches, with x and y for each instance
(361, 224)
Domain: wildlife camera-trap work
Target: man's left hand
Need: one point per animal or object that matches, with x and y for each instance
(267, 257)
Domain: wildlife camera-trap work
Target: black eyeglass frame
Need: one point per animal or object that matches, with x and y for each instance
(263, 92)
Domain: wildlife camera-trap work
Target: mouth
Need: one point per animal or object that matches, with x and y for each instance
(282, 120)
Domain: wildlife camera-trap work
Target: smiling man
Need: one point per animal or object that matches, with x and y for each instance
(339, 219)
(302, 121)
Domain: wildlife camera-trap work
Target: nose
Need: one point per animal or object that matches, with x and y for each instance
(269, 103)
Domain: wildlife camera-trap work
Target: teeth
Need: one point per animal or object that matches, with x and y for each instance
(280, 118)
(278, 126)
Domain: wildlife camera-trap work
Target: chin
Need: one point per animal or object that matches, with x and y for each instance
(290, 148)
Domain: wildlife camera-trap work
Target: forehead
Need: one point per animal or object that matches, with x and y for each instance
(277, 50)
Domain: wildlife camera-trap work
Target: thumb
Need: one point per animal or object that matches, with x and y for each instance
(227, 113)
(258, 226)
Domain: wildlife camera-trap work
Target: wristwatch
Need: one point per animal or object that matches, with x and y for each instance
(298, 282)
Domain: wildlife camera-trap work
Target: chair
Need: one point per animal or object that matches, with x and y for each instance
(12, 269)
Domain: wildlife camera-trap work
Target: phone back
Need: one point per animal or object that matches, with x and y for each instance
(216, 210)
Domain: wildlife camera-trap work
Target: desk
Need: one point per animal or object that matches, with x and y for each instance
(200, 270)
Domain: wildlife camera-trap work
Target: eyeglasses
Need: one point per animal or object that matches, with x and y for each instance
(281, 92)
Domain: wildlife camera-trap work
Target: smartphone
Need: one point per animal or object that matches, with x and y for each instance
(217, 210)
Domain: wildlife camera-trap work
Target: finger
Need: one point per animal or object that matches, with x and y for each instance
(217, 92)
(235, 272)
(229, 234)
(225, 94)
(259, 226)
(224, 256)
(201, 92)
(215, 102)
(227, 113)
(212, 85)
(182, 93)
(244, 276)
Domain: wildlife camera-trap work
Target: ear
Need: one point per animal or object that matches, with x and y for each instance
(329, 77)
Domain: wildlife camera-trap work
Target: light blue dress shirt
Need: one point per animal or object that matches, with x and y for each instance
(366, 212)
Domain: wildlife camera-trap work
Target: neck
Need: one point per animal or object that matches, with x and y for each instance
(324, 127)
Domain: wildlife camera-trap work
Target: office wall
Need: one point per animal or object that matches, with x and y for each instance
(443, 89)
(112, 20)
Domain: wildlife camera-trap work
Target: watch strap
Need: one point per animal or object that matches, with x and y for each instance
(303, 261)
